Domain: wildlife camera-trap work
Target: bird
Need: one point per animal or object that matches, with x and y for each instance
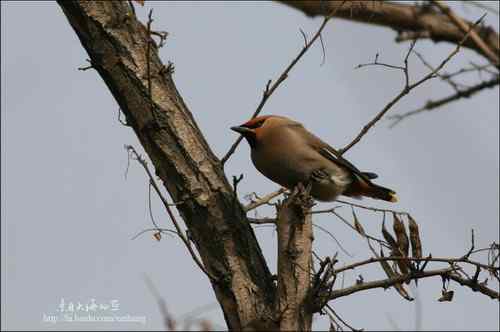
(285, 152)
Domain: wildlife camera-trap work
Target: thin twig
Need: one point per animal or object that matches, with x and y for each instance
(372, 208)
(182, 236)
(325, 210)
(341, 320)
(264, 200)
(474, 68)
(446, 79)
(433, 104)
(84, 68)
(368, 237)
(334, 239)
(376, 63)
(271, 88)
(407, 89)
(150, 208)
(450, 260)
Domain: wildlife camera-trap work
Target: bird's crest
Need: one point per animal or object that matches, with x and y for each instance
(256, 122)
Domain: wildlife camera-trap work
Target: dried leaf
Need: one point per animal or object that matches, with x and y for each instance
(388, 237)
(401, 235)
(446, 296)
(392, 274)
(416, 244)
(140, 2)
(157, 236)
(357, 225)
(388, 269)
(403, 244)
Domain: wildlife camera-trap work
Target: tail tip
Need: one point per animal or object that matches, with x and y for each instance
(393, 197)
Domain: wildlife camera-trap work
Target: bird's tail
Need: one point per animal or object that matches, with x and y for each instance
(379, 192)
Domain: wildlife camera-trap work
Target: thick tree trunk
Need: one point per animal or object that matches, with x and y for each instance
(117, 45)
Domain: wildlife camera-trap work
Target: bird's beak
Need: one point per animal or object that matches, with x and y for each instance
(242, 130)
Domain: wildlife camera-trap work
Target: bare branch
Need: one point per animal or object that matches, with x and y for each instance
(376, 63)
(408, 87)
(475, 286)
(326, 231)
(178, 228)
(450, 260)
(353, 227)
(90, 66)
(372, 208)
(341, 320)
(434, 104)
(421, 21)
(386, 283)
(474, 68)
(270, 89)
(264, 200)
(447, 79)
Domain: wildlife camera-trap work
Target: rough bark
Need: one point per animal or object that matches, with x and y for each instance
(400, 17)
(295, 236)
(116, 43)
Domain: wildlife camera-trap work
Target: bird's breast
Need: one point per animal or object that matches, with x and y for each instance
(288, 168)
(281, 168)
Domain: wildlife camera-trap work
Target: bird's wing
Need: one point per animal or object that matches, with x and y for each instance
(333, 155)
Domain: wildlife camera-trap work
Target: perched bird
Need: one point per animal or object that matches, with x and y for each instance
(286, 153)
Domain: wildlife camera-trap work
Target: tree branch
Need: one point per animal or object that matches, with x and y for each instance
(433, 104)
(264, 200)
(475, 286)
(402, 18)
(464, 26)
(294, 227)
(178, 229)
(115, 42)
(386, 283)
(389, 282)
(450, 261)
(408, 87)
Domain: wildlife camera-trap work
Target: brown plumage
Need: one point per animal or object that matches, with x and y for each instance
(286, 153)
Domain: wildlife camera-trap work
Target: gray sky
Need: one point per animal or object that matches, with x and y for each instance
(68, 213)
